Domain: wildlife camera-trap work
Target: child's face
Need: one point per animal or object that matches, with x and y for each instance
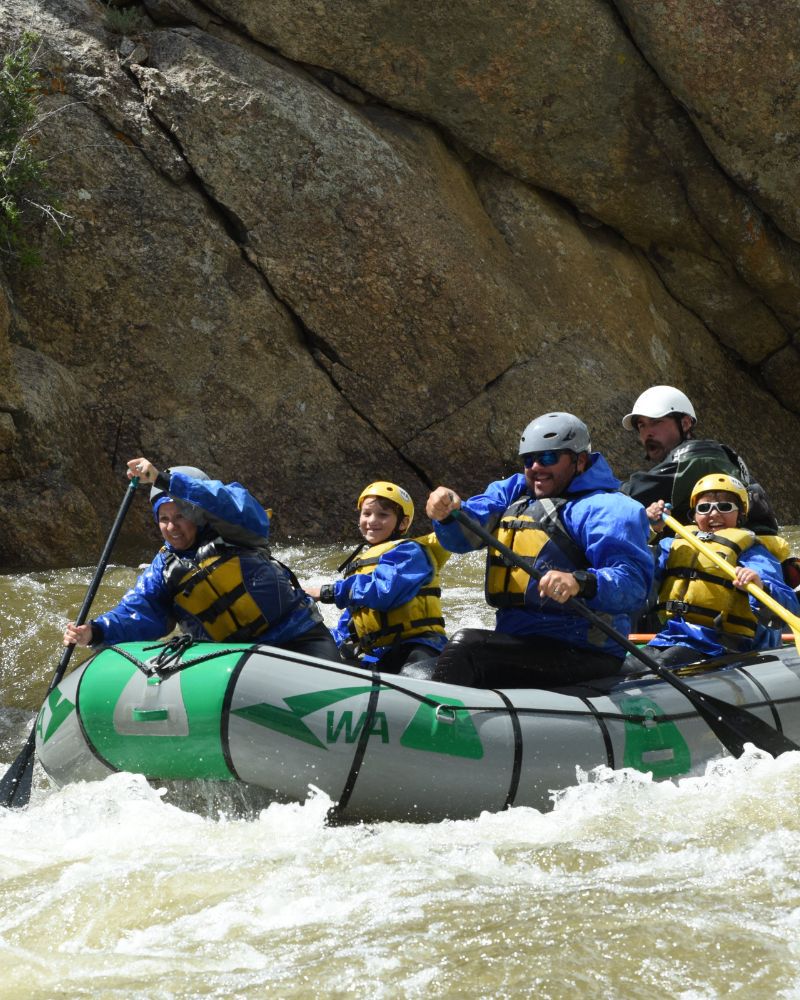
(716, 519)
(377, 520)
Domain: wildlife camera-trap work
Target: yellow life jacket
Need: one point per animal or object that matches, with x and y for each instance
(211, 588)
(420, 616)
(776, 545)
(533, 529)
(696, 590)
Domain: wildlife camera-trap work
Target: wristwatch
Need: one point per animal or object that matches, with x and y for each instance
(587, 583)
(327, 595)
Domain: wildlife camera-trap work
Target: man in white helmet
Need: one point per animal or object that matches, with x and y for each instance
(664, 419)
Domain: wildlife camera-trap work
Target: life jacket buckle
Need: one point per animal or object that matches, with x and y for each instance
(679, 607)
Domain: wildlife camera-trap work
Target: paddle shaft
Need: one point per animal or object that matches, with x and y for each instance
(758, 592)
(733, 726)
(91, 593)
(15, 786)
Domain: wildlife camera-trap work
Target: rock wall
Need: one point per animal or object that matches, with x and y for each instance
(317, 243)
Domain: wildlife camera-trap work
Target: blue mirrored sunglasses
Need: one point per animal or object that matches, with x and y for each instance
(542, 457)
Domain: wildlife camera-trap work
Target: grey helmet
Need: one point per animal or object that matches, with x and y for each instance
(554, 431)
(190, 510)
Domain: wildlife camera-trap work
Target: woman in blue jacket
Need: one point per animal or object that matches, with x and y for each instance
(214, 576)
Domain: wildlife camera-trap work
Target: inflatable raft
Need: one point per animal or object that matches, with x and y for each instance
(384, 747)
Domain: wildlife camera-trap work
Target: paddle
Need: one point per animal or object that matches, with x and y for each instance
(15, 786)
(732, 726)
(760, 595)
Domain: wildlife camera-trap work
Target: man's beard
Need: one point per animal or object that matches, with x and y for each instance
(662, 454)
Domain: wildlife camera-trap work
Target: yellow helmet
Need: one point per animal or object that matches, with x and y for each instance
(390, 491)
(719, 481)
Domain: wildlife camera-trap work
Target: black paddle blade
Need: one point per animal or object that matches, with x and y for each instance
(15, 788)
(734, 726)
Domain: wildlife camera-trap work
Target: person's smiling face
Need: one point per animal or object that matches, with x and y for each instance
(175, 527)
(716, 520)
(378, 520)
(552, 480)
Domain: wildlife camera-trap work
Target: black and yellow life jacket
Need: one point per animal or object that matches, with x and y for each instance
(210, 587)
(421, 615)
(696, 590)
(533, 529)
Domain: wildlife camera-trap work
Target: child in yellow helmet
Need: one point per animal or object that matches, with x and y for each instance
(390, 594)
(705, 613)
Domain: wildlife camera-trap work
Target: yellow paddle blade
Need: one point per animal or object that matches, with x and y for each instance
(793, 621)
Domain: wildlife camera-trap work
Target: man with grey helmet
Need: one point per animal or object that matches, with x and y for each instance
(214, 576)
(564, 511)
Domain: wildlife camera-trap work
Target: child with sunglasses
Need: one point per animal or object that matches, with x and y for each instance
(705, 613)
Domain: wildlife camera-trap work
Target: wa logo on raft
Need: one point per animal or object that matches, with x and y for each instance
(434, 728)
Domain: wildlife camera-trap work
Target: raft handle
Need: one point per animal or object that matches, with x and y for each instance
(149, 714)
(446, 714)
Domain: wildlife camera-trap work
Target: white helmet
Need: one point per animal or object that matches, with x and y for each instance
(659, 401)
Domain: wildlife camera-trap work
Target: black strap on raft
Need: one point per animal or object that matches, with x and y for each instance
(516, 768)
(173, 650)
(170, 654)
(333, 817)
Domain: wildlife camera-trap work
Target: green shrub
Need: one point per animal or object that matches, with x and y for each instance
(22, 171)
(122, 20)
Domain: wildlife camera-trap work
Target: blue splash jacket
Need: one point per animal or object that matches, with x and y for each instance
(612, 529)
(147, 610)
